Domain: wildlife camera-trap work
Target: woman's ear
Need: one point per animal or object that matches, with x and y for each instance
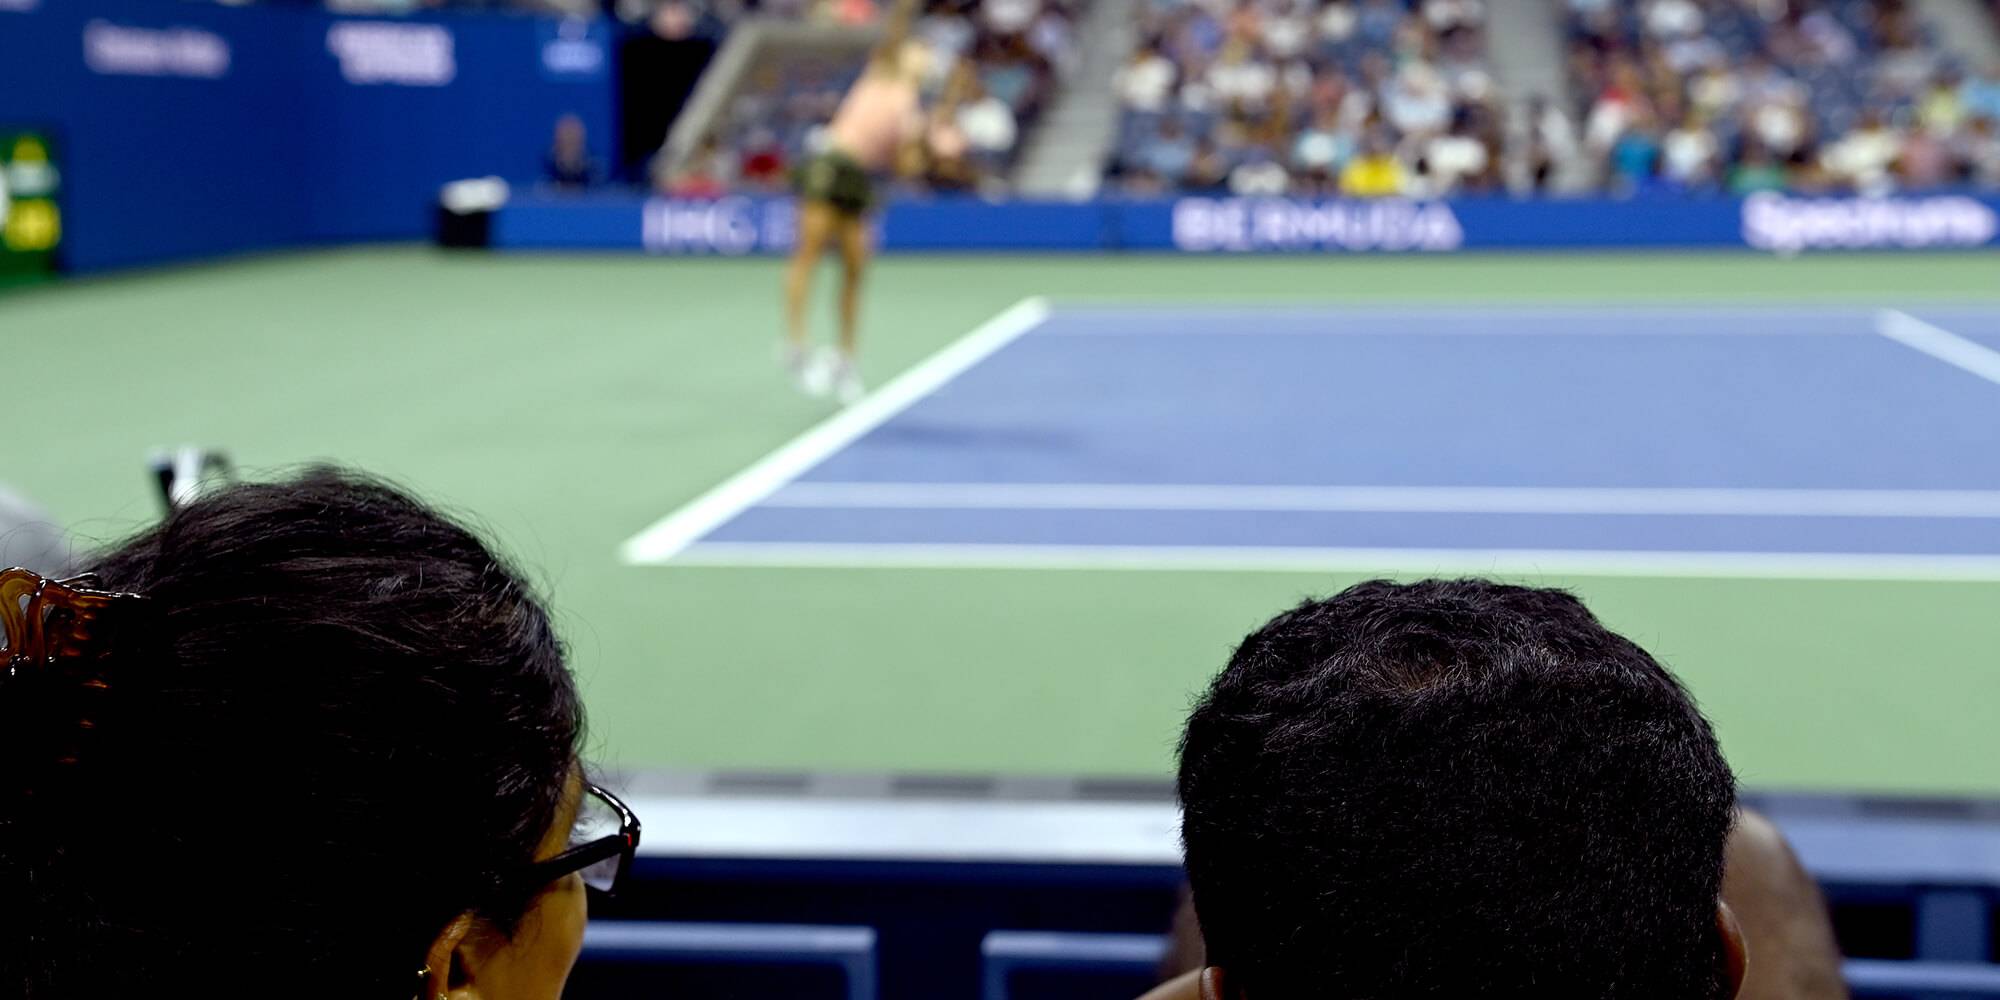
(439, 961)
(1735, 952)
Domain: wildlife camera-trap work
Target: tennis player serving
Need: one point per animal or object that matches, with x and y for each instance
(836, 189)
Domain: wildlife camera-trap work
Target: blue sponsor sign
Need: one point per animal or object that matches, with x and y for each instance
(574, 48)
(199, 129)
(1774, 223)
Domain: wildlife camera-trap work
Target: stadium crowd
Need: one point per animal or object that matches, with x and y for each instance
(1373, 97)
(1753, 95)
(1355, 97)
(1366, 98)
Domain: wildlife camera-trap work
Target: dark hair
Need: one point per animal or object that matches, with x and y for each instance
(1454, 789)
(340, 722)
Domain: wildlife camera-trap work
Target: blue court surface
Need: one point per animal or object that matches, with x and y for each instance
(1753, 440)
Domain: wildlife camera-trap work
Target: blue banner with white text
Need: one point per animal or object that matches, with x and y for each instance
(1769, 222)
(198, 129)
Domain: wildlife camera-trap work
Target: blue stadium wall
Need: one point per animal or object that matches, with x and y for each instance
(1768, 222)
(192, 130)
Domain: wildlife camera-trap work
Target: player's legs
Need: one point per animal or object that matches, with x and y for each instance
(817, 220)
(852, 233)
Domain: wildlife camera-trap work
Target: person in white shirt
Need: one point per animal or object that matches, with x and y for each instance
(1688, 153)
(1146, 83)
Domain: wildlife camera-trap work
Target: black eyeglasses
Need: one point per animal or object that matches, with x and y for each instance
(601, 843)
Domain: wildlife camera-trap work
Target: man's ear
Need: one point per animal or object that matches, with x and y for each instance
(443, 971)
(1735, 952)
(1210, 984)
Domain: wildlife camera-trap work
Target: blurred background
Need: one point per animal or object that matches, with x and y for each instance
(1185, 310)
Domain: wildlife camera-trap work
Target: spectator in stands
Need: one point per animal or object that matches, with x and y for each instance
(1636, 152)
(1241, 77)
(1284, 30)
(1142, 183)
(1376, 22)
(1981, 96)
(1689, 154)
(569, 165)
(1941, 112)
(1672, 19)
(1781, 126)
(1337, 22)
(705, 175)
(1321, 150)
(1978, 152)
(1416, 103)
(1924, 160)
(1552, 145)
(1146, 83)
(1456, 161)
(1169, 153)
(1456, 789)
(761, 161)
(1903, 63)
(1862, 159)
(1374, 172)
(987, 122)
(1259, 175)
(1208, 172)
(1784, 918)
(329, 749)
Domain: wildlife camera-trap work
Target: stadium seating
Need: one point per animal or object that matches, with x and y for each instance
(1064, 966)
(623, 959)
(1868, 978)
(1825, 95)
(1310, 98)
(1828, 95)
(1104, 966)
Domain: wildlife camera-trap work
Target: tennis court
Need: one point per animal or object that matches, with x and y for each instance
(1766, 441)
(1727, 456)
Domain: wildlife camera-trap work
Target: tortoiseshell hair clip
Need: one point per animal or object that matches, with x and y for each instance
(62, 637)
(57, 623)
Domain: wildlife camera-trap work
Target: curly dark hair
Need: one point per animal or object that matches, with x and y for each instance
(342, 722)
(1454, 788)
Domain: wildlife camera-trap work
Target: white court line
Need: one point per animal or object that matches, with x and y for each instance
(764, 828)
(1501, 321)
(1392, 499)
(1152, 332)
(910, 830)
(669, 535)
(1279, 559)
(1939, 343)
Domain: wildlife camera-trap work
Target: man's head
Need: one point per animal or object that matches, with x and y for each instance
(1455, 789)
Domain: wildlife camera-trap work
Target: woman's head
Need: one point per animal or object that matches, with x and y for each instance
(330, 744)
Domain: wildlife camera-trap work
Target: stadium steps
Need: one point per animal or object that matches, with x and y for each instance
(1964, 29)
(753, 42)
(1524, 44)
(1063, 156)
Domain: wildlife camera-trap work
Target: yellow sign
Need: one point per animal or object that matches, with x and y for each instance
(32, 224)
(29, 149)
